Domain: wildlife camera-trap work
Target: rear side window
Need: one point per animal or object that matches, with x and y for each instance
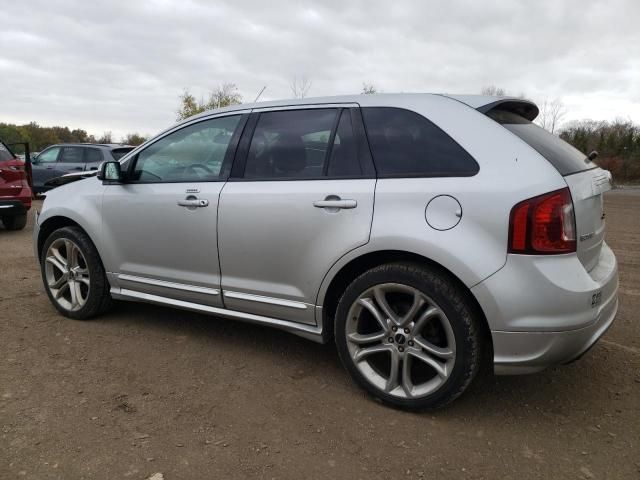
(92, 155)
(344, 153)
(71, 155)
(118, 153)
(565, 158)
(290, 144)
(404, 143)
(5, 154)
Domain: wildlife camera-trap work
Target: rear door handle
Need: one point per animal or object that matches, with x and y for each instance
(194, 203)
(335, 202)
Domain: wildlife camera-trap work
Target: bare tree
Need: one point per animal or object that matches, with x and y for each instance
(493, 91)
(107, 137)
(300, 86)
(551, 114)
(368, 89)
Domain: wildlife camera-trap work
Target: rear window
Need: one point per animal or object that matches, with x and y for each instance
(565, 158)
(5, 154)
(404, 143)
(118, 153)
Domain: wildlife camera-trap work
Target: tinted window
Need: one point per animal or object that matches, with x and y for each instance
(344, 154)
(405, 143)
(71, 155)
(48, 156)
(194, 153)
(92, 155)
(5, 154)
(290, 144)
(565, 158)
(118, 153)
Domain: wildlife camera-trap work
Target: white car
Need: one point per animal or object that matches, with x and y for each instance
(424, 234)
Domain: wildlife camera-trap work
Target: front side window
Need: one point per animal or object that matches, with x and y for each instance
(290, 144)
(5, 154)
(48, 156)
(404, 143)
(71, 155)
(192, 154)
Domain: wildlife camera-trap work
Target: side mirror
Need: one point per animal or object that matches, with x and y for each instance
(110, 173)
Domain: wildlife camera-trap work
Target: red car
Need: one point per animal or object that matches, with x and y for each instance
(15, 190)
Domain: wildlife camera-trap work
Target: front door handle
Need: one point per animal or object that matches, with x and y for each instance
(193, 202)
(332, 202)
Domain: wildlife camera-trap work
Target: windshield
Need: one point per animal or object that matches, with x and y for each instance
(565, 158)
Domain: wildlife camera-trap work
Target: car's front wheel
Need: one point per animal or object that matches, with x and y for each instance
(408, 335)
(73, 275)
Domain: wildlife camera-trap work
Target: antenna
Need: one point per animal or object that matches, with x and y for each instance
(259, 94)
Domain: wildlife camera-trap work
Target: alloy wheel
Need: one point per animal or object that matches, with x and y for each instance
(67, 274)
(400, 340)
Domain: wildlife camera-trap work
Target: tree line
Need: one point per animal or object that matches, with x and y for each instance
(40, 137)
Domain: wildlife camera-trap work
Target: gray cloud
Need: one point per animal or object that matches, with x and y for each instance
(121, 65)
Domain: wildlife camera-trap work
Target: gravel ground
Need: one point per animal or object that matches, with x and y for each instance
(146, 390)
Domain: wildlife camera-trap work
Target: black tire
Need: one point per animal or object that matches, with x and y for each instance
(15, 222)
(98, 298)
(450, 298)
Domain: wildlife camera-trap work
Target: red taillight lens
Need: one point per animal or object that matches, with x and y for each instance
(543, 225)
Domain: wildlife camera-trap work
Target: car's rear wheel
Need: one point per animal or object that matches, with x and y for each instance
(14, 222)
(408, 335)
(73, 275)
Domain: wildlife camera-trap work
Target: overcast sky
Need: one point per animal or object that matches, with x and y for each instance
(119, 65)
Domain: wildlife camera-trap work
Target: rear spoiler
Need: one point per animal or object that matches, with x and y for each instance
(486, 103)
(524, 108)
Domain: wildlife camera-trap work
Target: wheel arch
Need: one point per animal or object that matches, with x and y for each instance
(52, 224)
(357, 266)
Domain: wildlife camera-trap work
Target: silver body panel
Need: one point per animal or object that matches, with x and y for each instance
(262, 252)
(274, 242)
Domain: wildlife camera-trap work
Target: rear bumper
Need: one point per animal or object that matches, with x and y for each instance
(545, 311)
(13, 207)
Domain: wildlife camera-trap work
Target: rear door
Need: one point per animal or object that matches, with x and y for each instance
(300, 197)
(92, 158)
(71, 159)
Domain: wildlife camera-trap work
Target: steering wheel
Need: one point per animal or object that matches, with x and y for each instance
(195, 166)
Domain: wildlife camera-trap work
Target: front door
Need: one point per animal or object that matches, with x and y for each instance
(44, 167)
(303, 199)
(160, 226)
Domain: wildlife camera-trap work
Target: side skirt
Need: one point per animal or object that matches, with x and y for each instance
(306, 331)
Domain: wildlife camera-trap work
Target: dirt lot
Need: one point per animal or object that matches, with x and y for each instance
(147, 389)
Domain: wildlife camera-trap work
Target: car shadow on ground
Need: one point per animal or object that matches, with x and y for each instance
(559, 390)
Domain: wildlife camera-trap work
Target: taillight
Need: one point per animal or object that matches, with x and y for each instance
(543, 225)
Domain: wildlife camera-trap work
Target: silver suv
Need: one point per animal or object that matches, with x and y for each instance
(424, 234)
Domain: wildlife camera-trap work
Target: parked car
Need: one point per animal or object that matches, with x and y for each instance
(15, 192)
(424, 234)
(57, 160)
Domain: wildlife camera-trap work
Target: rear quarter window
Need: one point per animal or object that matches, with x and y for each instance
(404, 143)
(565, 158)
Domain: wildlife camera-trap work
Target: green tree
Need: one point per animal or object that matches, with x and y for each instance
(222, 96)
(133, 139)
